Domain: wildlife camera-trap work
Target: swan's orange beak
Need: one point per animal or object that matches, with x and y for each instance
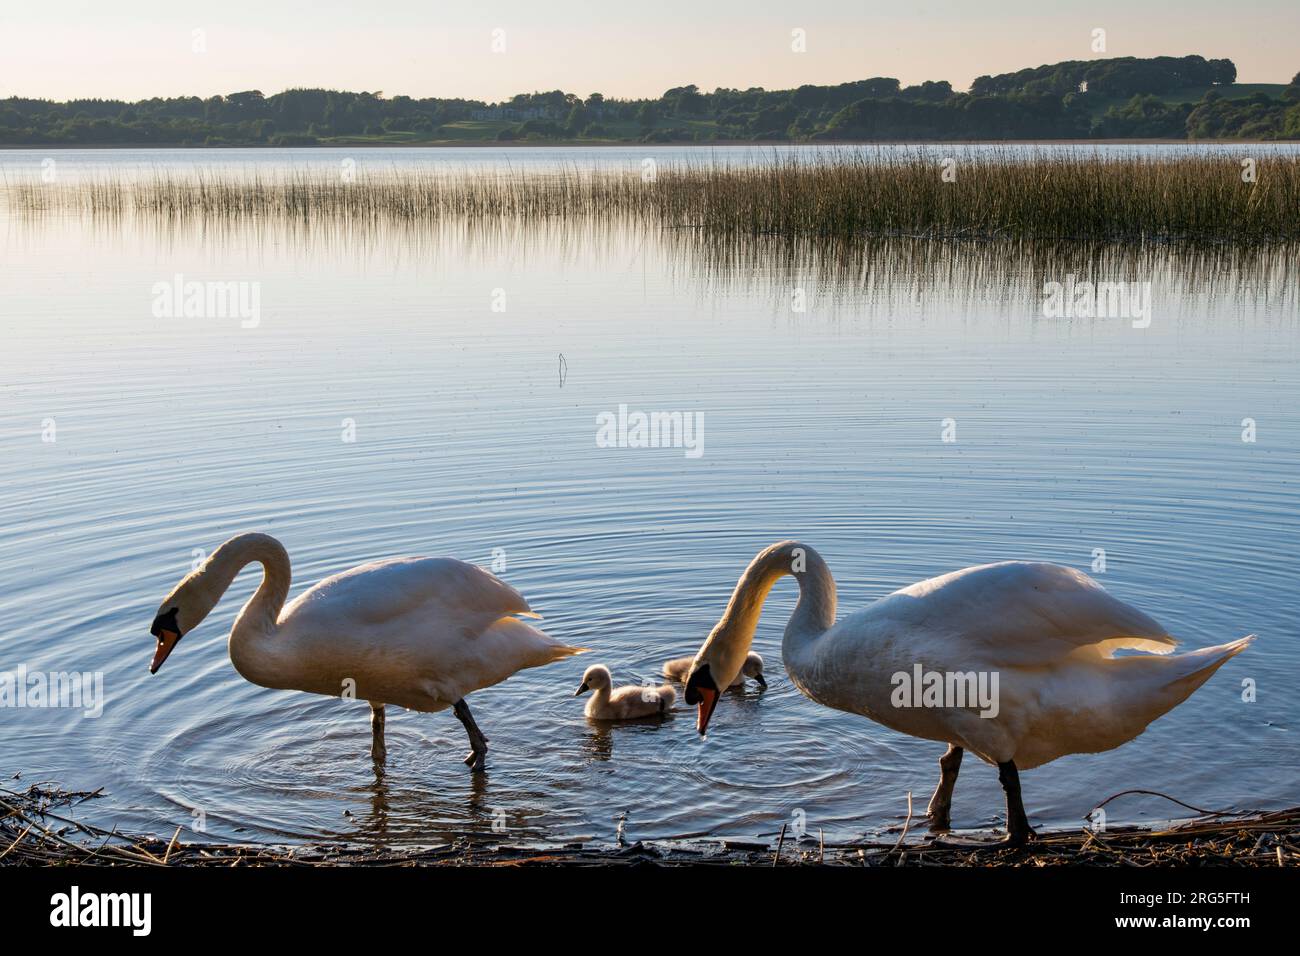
(166, 641)
(708, 700)
(701, 689)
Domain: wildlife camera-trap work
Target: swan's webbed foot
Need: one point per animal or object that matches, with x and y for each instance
(940, 819)
(1019, 838)
(940, 808)
(378, 752)
(477, 757)
(1019, 831)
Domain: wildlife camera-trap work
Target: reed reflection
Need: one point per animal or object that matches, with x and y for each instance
(872, 276)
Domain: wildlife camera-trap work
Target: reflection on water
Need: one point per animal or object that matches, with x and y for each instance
(1073, 435)
(881, 272)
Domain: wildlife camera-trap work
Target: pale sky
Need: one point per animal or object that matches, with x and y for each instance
(132, 49)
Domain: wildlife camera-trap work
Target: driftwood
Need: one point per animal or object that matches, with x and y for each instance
(33, 833)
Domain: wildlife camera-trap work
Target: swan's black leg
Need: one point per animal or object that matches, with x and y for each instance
(1018, 831)
(477, 742)
(941, 803)
(377, 750)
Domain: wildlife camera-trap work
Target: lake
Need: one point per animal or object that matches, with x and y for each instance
(907, 408)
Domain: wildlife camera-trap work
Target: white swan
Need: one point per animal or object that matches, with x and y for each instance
(625, 703)
(1048, 633)
(679, 668)
(421, 633)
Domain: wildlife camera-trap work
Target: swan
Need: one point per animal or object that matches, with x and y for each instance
(1042, 636)
(625, 703)
(679, 669)
(420, 633)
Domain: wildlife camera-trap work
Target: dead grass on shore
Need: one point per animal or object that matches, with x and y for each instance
(34, 833)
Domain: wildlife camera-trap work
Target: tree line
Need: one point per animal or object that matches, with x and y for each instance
(1124, 97)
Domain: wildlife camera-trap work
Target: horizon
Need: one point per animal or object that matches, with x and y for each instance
(400, 49)
(391, 94)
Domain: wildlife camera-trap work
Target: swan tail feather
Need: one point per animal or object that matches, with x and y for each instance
(1191, 670)
(523, 645)
(1146, 686)
(1212, 658)
(540, 656)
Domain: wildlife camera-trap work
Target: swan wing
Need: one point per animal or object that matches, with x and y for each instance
(371, 595)
(1020, 613)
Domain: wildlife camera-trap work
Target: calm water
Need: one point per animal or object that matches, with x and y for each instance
(473, 435)
(125, 163)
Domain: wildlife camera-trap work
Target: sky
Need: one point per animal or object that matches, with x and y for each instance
(132, 49)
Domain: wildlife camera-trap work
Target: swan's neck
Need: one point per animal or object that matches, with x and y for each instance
(251, 637)
(812, 617)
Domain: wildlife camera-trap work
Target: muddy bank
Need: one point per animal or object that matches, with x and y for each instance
(33, 832)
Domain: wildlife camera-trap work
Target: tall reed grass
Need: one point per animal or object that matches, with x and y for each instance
(1201, 197)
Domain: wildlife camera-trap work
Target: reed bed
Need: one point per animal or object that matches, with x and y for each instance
(1199, 197)
(35, 831)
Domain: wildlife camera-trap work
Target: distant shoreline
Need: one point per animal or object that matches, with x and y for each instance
(1141, 100)
(583, 144)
